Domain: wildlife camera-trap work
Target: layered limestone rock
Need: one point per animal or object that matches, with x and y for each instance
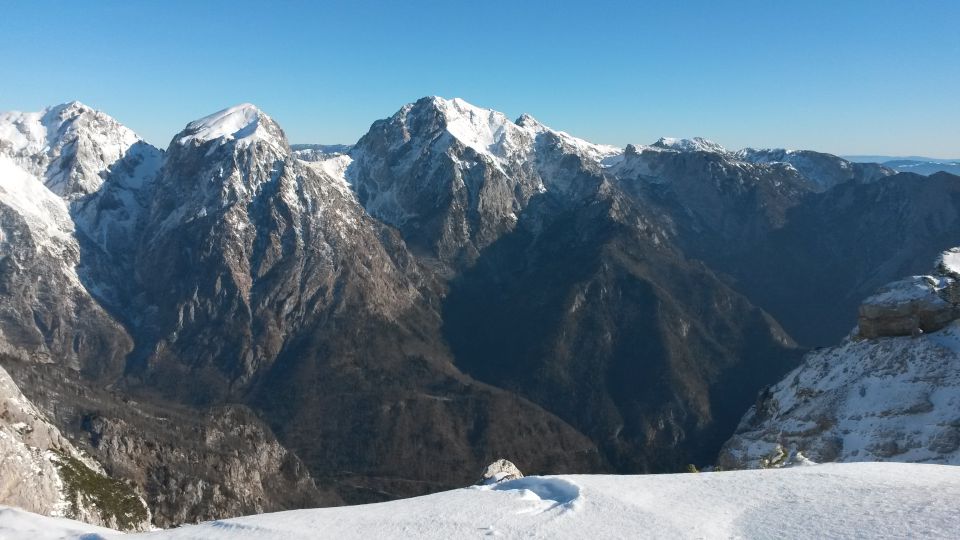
(914, 305)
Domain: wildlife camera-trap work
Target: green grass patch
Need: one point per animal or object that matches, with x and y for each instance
(113, 499)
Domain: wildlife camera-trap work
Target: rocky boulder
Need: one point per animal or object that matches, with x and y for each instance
(500, 470)
(916, 304)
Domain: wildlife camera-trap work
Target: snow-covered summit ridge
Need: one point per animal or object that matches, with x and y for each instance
(825, 170)
(696, 144)
(492, 133)
(243, 123)
(70, 146)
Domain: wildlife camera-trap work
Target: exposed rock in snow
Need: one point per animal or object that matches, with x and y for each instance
(886, 399)
(42, 472)
(499, 471)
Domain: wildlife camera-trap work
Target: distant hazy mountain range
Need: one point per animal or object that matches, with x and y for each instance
(915, 164)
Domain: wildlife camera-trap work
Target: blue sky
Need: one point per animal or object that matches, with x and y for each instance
(854, 77)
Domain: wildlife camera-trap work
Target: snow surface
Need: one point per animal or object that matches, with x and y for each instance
(950, 262)
(46, 214)
(885, 399)
(875, 500)
(17, 524)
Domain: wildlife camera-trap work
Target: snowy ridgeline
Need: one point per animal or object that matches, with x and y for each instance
(878, 500)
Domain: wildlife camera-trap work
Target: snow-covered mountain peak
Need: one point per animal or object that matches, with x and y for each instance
(484, 130)
(243, 123)
(696, 144)
(70, 146)
(492, 133)
(527, 121)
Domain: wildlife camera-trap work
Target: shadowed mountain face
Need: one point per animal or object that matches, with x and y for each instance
(382, 320)
(838, 247)
(644, 351)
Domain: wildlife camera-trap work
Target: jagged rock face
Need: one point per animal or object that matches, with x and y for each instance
(260, 245)
(47, 315)
(707, 197)
(189, 465)
(232, 465)
(41, 471)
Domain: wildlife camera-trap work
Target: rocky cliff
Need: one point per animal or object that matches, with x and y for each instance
(889, 392)
(43, 472)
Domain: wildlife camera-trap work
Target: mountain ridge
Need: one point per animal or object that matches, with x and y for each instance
(384, 318)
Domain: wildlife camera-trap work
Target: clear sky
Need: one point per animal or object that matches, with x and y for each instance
(847, 77)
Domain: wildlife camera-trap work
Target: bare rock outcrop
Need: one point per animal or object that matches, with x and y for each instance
(916, 304)
(500, 470)
(42, 472)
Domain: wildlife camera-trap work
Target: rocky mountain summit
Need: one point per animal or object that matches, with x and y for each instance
(889, 392)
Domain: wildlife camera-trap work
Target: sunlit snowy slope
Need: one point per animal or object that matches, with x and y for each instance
(876, 500)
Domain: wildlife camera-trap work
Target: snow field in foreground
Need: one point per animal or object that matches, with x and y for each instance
(853, 500)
